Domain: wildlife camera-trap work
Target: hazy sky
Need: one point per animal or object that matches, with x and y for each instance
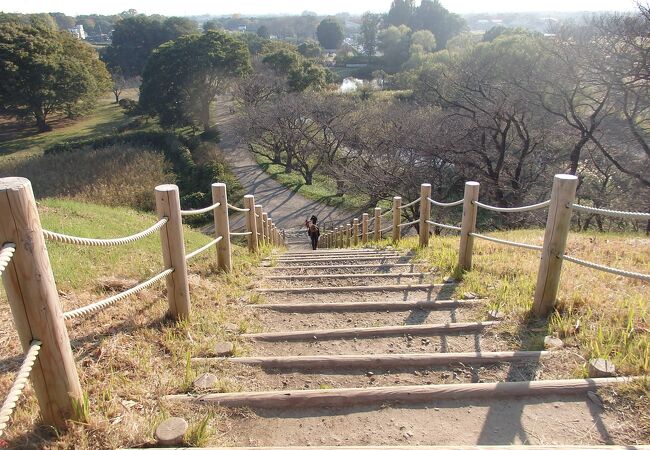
(250, 7)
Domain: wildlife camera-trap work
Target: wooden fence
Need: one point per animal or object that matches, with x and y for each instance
(34, 299)
(560, 207)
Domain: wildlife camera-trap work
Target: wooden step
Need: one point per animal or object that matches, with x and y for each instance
(346, 266)
(342, 276)
(343, 259)
(428, 447)
(378, 361)
(343, 333)
(335, 289)
(330, 254)
(368, 306)
(319, 398)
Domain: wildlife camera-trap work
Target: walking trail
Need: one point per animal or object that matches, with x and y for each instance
(287, 208)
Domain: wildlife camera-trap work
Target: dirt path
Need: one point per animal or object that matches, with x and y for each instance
(389, 362)
(287, 208)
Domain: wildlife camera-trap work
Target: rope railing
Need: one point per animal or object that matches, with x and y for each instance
(503, 241)
(387, 212)
(6, 254)
(200, 250)
(193, 212)
(22, 376)
(513, 210)
(411, 204)
(67, 239)
(388, 228)
(98, 306)
(632, 215)
(442, 225)
(591, 265)
(445, 205)
(244, 233)
(401, 225)
(235, 208)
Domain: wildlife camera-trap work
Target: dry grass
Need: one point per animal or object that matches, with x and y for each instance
(129, 355)
(118, 176)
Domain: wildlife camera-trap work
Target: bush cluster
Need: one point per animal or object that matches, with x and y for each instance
(193, 179)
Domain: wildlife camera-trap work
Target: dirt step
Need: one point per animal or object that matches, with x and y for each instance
(446, 292)
(432, 447)
(273, 321)
(412, 394)
(256, 379)
(356, 288)
(366, 306)
(381, 280)
(344, 255)
(347, 260)
(347, 268)
(371, 332)
(379, 361)
(489, 340)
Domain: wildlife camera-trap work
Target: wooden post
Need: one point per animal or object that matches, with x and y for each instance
(265, 223)
(425, 213)
(397, 218)
(468, 225)
(34, 301)
(339, 237)
(258, 224)
(555, 236)
(377, 224)
(249, 203)
(222, 226)
(355, 231)
(168, 204)
(270, 224)
(364, 228)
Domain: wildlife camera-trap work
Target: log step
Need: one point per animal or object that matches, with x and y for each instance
(345, 266)
(319, 398)
(378, 361)
(336, 254)
(377, 288)
(369, 306)
(342, 333)
(429, 447)
(348, 275)
(343, 259)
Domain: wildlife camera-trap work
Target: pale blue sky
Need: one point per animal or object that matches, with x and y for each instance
(252, 7)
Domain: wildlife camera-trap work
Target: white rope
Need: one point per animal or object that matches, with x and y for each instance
(612, 212)
(388, 211)
(442, 225)
(98, 306)
(192, 212)
(445, 205)
(411, 204)
(409, 223)
(202, 249)
(6, 254)
(503, 241)
(234, 208)
(388, 228)
(246, 233)
(625, 273)
(66, 239)
(511, 210)
(18, 385)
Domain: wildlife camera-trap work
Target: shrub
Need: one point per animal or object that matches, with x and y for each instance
(131, 107)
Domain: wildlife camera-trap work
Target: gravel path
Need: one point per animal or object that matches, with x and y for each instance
(287, 208)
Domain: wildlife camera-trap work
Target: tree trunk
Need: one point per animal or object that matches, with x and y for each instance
(308, 178)
(288, 168)
(41, 122)
(205, 115)
(117, 93)
(574, 158)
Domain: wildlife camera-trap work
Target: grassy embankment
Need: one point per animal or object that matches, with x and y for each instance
(129, 355)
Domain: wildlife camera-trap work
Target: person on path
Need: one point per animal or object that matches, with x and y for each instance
(312, 231)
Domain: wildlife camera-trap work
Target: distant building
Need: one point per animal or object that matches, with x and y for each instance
(78, 31)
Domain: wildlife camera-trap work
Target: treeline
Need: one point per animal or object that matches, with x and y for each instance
(509, 111)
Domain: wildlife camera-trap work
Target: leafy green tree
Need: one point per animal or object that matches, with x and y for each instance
(395, 43)
(369, 32)
(212, 24)
(134, 38)
(282, 61)
(263, 32)
(44, 71)
(307, 75)
(309, 49)
(330, 33)
(432, 16)
(183, 77)
(401, 13)
(425, 39)
(494, 33)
